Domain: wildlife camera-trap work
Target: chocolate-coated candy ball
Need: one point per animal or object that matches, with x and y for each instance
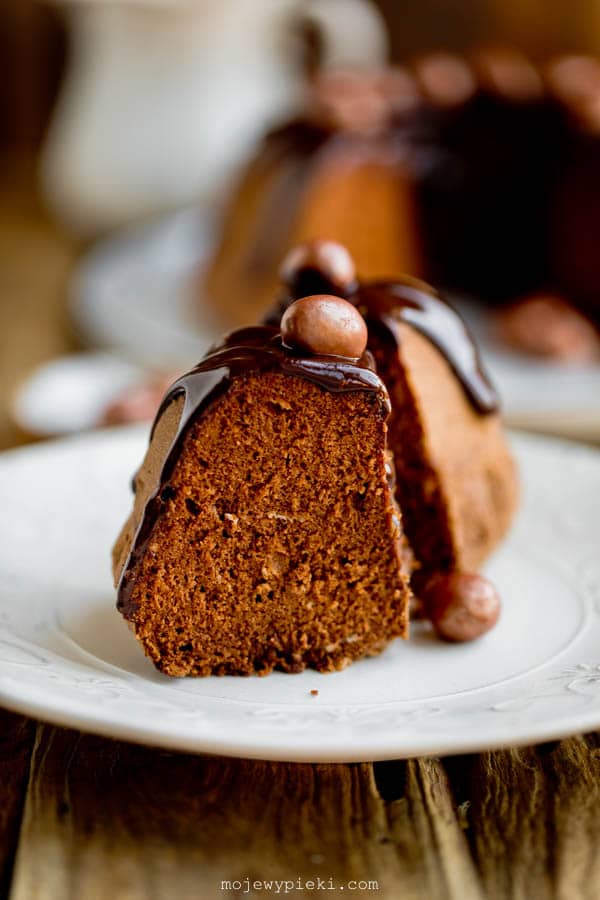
(326, 325)
(317, 267)
(461, 607)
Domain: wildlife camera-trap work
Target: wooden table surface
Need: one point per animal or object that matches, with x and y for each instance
(84, 817)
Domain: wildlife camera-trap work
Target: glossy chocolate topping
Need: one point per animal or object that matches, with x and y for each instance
(388, 304)
(259, 348)
(244, 351)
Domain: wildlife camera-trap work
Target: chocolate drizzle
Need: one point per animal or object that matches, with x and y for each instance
(389, 304)
(241, 353)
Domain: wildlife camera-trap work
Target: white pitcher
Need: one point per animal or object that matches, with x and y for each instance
(163, 98)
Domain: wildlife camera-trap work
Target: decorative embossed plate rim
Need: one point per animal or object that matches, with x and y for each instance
(66, 656)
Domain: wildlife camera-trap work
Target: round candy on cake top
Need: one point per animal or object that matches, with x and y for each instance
(574, 79)
(507, 73)
(324, 325)
(317, 266)
(445, 79)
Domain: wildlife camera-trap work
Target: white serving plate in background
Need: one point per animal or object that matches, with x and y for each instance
(71, 393)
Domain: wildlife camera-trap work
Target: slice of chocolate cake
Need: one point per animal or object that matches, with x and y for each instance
(264, 532)
(456, 480)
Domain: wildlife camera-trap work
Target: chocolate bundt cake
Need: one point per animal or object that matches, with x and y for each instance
(338, 172)
(269, 529)
(471, 172)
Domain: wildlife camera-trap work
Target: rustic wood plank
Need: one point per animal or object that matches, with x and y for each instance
(508, 824)
(573, 782)
(534, 819)
(105, 819)
(427, 831)
(16, 743)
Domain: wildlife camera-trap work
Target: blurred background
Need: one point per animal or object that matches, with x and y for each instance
(114, 115)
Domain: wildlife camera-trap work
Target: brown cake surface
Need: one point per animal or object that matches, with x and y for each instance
(264, 532)
(363, 197)
(456, 482)
(353, 189)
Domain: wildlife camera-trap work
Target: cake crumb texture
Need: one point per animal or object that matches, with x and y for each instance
(278, 543)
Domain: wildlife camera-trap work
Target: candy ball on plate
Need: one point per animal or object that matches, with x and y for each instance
(460, 606)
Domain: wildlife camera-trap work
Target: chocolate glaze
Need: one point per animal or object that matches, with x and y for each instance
(387, 304)
(244, 351)
(311, 280)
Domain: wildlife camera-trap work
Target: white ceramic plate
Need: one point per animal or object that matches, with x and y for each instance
(67, 656)
(139, 293)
